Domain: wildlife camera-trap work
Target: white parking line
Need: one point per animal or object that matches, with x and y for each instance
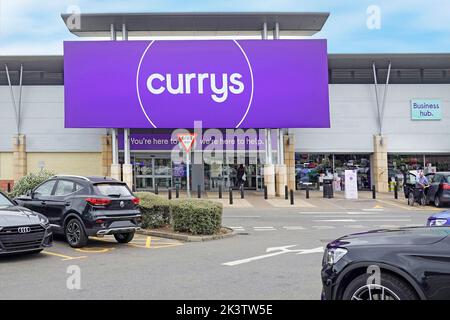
(364, 220)
(323, 227)
(264, 228)
(294, 228)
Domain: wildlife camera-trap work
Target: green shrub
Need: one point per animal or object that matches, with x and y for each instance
(196, 216)
(29, 182)
(155, 210)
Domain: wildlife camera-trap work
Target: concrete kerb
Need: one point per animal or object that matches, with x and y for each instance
(185, 237)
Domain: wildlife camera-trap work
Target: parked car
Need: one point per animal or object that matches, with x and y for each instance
(439, 219)
(22, 230)
(79, 207)
(438, 191)
(413, 263)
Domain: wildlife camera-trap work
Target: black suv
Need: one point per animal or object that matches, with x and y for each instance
(79, 207)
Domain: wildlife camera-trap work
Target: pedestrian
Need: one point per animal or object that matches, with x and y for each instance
(241, 176)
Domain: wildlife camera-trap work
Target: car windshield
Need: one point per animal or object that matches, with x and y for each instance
(113, 190)
(448, 179)
(4, 201)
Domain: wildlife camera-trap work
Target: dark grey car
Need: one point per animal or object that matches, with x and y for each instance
(22, 230)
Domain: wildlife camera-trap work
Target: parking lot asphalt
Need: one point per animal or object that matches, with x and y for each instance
(276, 254)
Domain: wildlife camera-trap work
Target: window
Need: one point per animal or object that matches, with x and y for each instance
(45, 190)
(112, 190)
(4, 201)
(64, 188)
(78, 187)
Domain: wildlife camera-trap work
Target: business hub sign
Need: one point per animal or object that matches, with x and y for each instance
(426, 109)
(171, 84)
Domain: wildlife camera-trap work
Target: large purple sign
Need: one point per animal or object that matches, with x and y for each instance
(171, 84)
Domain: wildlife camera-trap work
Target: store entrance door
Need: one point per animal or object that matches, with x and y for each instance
(226, 175)
(152, 170)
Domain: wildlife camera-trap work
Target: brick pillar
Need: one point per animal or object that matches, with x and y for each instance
(269, 179)
(19, 156)
(380, 164)
(127, 170)
(106, 155)
(289, 159)
(281, 179)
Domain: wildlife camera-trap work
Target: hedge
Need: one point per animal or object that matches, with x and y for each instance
(155, 210)
(196, 216)
(29, 182)
(185, 215)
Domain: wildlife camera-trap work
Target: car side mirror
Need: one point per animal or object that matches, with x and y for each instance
(28, 194)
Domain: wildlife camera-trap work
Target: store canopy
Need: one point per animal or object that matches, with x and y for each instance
(195, 24)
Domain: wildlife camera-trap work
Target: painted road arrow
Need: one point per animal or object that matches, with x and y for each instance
(274, 251)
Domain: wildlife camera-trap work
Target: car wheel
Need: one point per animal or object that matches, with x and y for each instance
(124, 237)
(75, 235)
(390, 288)
(437, 201)
(423, 200)
(411, 199)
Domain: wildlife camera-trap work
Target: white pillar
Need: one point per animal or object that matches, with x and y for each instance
(127, 167)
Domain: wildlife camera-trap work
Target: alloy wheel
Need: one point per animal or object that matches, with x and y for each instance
(437, 201)
(73, 232)
(374, 292)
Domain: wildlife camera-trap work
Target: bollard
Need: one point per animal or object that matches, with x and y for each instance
(286, 193)
(220, 191)
(9, 187)
(156, 188)
(307, 191)
(396, 189)
(177, 192)
(199, 191)
(242, 191)
(292, 197)
(265, 192)
(374, 194)
(169, 195)
(231, 195)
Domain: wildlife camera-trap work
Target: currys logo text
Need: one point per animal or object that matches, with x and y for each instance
(220, 86)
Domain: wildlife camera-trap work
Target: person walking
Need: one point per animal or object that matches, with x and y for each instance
(241, 176)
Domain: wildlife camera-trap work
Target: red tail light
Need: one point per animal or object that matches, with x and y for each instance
(98, 201)
(136, 200)
(446, 186)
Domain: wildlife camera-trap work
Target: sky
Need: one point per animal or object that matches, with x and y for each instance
(32, 27)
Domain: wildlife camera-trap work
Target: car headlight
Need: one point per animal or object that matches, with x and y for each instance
(44, 222)
(333, 255)
(437, 222)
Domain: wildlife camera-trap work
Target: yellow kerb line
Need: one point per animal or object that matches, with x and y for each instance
(63, 256)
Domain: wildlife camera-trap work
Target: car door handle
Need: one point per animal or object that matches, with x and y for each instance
(67, 204)
(43, 203)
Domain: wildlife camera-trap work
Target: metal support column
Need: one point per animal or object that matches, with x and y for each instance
(264, 31)
(114, 147)
(126, 146)
(269, 146)
(113, 32)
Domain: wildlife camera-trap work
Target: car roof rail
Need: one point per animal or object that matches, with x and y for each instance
(70, 176)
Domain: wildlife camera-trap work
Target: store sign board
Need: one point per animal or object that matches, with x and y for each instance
(351, 184)
(426, 109)
(167, 142)
(171, 84)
